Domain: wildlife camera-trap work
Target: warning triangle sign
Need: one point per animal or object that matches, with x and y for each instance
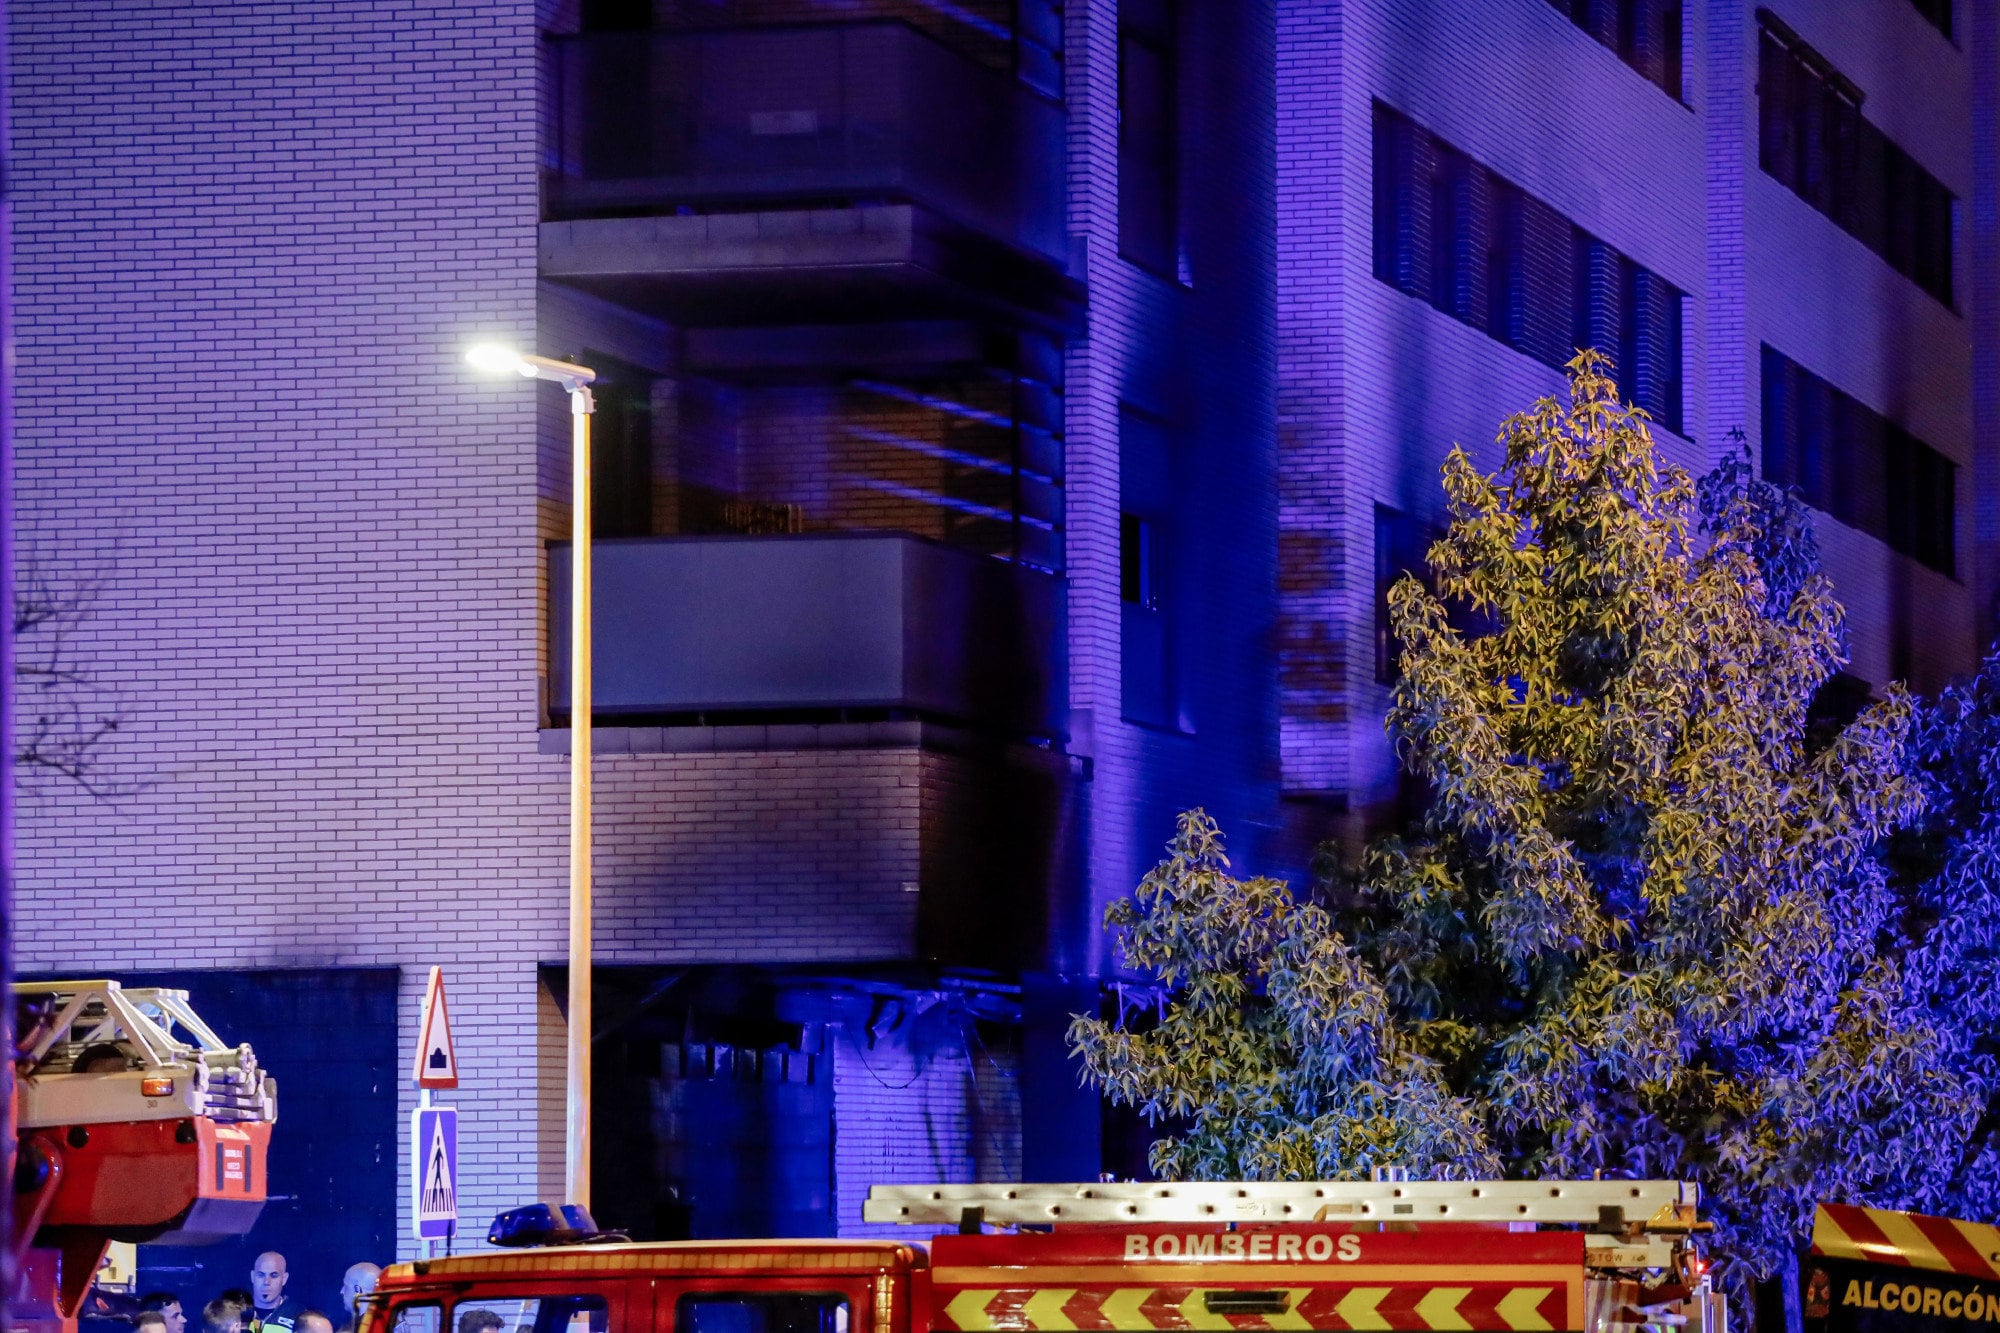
(437, 1062)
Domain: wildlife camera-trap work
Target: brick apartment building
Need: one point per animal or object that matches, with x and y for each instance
(1011, 413)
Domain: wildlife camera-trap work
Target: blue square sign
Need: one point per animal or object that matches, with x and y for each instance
(434, 1171)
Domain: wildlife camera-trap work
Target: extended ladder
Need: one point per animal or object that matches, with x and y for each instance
(1631, 1223)
(94, 1052)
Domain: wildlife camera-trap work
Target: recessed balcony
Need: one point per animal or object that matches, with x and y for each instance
(817, 625)
(862, 169)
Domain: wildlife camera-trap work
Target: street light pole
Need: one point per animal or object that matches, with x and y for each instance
(576, 1149)
(576, 381)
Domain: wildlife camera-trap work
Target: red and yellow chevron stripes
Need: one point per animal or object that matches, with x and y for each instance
(1908, 1240)
(1328, 1306)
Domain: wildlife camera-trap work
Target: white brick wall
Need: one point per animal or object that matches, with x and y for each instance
(243, 286)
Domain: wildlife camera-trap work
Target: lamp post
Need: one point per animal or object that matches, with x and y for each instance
(576, 381)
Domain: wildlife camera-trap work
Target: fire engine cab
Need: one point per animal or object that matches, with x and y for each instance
(1544, 1255)
(134, 1122)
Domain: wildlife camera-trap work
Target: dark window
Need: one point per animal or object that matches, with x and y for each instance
(1938, 12)
(1148, 189)
(1139, 561)
(1451, 179)
(1646, 34)
(1921, 500)
(762, 1312)
(1400, 543)
(1395, 199)
(1475, 246)
(1671, 407)
(615, 16)
(1586, 298)
(621, 454)
(1812, 137)
(1505, 252)
(1850, 461)
(1149, 688)
(1673, 54)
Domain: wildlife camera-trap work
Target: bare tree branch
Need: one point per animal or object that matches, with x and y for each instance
(63, 713)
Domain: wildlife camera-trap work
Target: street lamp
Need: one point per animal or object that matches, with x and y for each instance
(576, 381)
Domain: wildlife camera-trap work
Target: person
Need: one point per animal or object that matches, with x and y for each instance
(149, 1321)
(269, 1308)
(167, 1305)
(313, 1321)
(222, 1315)
(478, 1320)
(359, 1281)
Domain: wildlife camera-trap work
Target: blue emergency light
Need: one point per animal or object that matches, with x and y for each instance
(543, 1224)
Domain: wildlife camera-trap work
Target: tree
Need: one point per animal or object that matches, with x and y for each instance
(1773, 526)
(1947, 868)
(1641, 927)
(1277, 1052)
(63, 714)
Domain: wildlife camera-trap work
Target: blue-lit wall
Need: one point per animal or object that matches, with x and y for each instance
(316, 596)
(1172, 415)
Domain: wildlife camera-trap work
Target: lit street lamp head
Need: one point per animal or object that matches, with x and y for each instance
(497, 360)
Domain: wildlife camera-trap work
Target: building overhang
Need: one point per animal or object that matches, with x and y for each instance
(794, 266)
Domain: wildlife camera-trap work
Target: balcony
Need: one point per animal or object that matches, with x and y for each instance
(815, 625)
(759, 175)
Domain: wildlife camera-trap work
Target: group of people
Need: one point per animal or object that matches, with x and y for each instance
(263, 1307)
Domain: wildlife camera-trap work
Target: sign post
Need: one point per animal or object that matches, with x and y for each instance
(434, 1129)
(434, 1172)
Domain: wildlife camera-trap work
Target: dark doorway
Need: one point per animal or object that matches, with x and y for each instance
(712, 1106)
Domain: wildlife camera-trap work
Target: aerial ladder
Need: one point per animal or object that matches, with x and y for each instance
(133, 1122)
(1380, 1254)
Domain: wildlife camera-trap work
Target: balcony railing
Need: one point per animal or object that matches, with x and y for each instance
(809, 116)
(690, 626)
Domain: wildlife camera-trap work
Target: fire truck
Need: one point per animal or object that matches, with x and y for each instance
(1872, 1270)
(1502, 1255)
(133, 1121)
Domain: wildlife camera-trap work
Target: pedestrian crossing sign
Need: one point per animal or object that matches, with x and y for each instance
(434, 1171)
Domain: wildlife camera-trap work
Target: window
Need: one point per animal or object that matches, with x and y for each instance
(1450, 233)
(1477, 247)
(1812, 138)
(1649, 357)
(417, 1319)
(1938, 13)
(531, 1314)
(1591, 262)
(1646, 34)
(761, 1312)
(1853, 463)
(1139, 561)
(1149, 693)
(1505, 247)
(1148, 188)
(621, 451)
(1400, 543)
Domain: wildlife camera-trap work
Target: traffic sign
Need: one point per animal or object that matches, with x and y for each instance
(434, 1171)
(437, 1062)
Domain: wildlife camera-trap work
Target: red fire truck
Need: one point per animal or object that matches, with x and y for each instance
(1876, 1271)
(1501, 1255)
(133, 1122)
